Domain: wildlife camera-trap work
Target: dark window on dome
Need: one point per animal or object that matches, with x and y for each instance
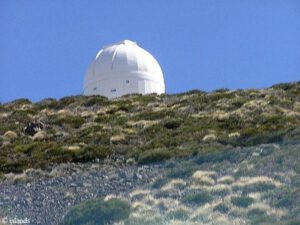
(113, 90)
(127, 81)
(94, 89)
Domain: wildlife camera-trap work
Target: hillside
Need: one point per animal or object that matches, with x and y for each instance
(144, 129)
(220, 158)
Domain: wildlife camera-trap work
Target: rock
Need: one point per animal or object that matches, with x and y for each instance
(85, 184)
(72, 147)
(10, 135)
(20, 178)
(73, 185)
(87, 114)
(117, 139)
(40, 136)
(209, 137)
(70, 195)
(234, 135)
(32, 128)
(60, 135)
(137, 176)
(130, 161)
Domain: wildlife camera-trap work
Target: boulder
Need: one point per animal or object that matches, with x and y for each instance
(40, 136)
(209, 137)
(32, 128)
(10, 135)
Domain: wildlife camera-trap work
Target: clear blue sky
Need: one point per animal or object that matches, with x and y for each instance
(46, 46)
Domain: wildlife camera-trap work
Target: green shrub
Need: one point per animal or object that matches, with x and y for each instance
(91, 152)
(179, 214)
(72, 121)
(284, 86)
(159, 182)
(198, 198)
(255, 213)
(14, 166)
(294, 222)
(153, 156)
(243, 201)
(50, 103)
(172, 124)
(95, 100)
(262, 219)
(182, 170)
(97, 212)
(222, 208)
(20, 101)
(258, 187)
(218, 156)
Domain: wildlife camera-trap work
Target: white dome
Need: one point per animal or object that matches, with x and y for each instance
(123, 68)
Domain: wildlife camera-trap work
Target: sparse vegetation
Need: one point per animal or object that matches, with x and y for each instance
(149, 128)
(97, 212)
(243, 201)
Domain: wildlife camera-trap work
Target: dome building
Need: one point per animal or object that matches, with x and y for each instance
(123, 68)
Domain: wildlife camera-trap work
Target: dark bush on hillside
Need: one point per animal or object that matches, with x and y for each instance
(159, 182)
(182, 170)
(20, 101)
(220, 156)
(97, 212)
(284, 86)
(222, 208)
(95, 100)
(153, 156)
(48, 103)
(199, 198)
(243, 201)
(172, 124)
(70, 120)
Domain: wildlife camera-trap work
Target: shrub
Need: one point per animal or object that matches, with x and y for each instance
(284, 86)
(294, 222)
(20, 101)
(243, 201)
(97, 212)
(72, 121)
(179, 214)
(258, 187)
(256, 212)
(48, 103)
(198, 198)
(153, 156)
(222, 208)
(183, 170)
(95, 100)
(91, 152)
(159, 182)
(172, 124)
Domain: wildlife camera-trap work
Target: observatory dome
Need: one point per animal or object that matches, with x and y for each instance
(123, 68)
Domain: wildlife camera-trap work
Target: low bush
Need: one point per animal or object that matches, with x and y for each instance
(243, 201)
(182, 170)
(255, 213)
(179, 214)
(222, 208)
(72, 121)
(97, 212)
(258, 187)
(172, 124)
(159, 182)
(153, 156)
(198, 198)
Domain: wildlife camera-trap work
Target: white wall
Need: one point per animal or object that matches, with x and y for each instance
(116, 86)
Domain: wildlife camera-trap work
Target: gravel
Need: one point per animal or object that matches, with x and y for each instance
(45, 196)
